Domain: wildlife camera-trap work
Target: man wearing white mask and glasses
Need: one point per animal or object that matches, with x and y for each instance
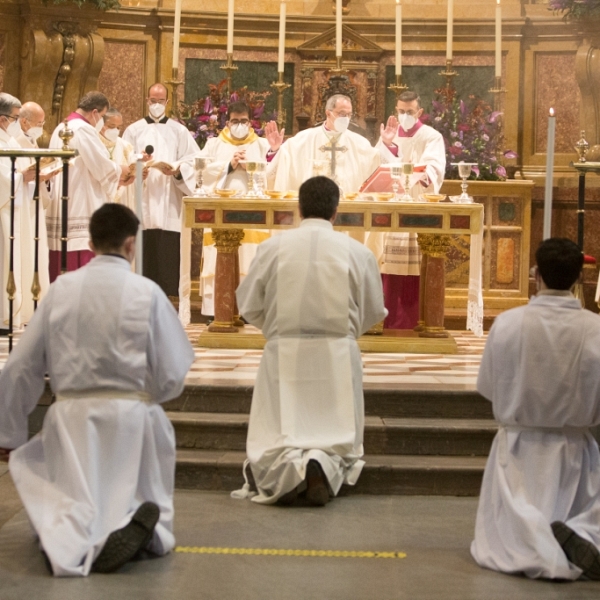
(355, 158)
(164, 188)
(93, 180)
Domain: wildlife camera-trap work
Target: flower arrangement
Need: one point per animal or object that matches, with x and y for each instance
(472, 132)
(98, 4)
(206, 117)
(576, 10)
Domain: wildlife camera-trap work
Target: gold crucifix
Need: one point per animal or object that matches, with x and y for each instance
(332, 148)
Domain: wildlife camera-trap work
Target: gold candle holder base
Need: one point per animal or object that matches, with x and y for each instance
(280, 85)
(449, 73)
(229, 68)
(398, 87)
(174, 82)
(338, 69)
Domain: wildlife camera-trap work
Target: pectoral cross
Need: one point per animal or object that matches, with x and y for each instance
(332, 148)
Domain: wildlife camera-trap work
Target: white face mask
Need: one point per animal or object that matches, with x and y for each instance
(112, 135)
(239, 130)
(341, 124)
(34, 132)
(157, 110)
(407, 121)
(14, 129)
(99, 124)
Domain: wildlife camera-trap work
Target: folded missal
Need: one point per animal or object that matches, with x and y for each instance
(381, 180)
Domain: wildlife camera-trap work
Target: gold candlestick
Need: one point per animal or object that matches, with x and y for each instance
(175, 82)
(497, 90)
(338, 70)
(398, 87)
(280, 86)
(229, 68)
(449, 73)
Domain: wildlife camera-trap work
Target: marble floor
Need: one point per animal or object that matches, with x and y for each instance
(416, 371)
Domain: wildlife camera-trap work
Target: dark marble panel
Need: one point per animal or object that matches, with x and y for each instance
(257, 76)
(204, 216)
(425, 80)
(2, 44)
(506, 212)
(460, 222)
(258, 217)
(283, 217)
(122, 78)
(350, 219)
(505, 260)
(433, 221)
(381, 220)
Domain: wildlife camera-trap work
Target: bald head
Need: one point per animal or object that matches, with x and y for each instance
(157, 100)
(32, 119)
(158, 91)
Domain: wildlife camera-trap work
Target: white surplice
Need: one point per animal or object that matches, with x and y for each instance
(162, 195)
(313, 292)
(121, 153)
(93, 180)
(217, 175)
(540, 371)
(399, 253)
(293, 163)
(114, 350)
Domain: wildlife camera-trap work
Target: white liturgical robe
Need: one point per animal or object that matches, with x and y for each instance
(217, 175)
(293, 164)
(93, 180)
(398, 253)
(540, 371)
(313, 292)
(162, 195)
(121, 153)
(114, 350)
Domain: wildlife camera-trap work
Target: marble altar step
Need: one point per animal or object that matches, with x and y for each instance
(388, 436)
(382, 474)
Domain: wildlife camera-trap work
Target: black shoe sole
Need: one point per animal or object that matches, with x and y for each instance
(317, 492)
(122, 545)
(288, 498)
(579, 551)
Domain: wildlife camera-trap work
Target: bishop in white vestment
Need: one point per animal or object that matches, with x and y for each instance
(114, 349)
(164, 189)
(541, 488)
(313, 292)
(398, 253)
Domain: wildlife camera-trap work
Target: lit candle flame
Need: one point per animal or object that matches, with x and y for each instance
(551, 112)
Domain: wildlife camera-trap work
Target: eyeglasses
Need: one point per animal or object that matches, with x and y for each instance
(10, 116)
(239, 121)
(342, 114)
(410, 112)
(155, 101)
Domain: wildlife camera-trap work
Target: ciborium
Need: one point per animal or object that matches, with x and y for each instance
(464, 172)
(200, 165)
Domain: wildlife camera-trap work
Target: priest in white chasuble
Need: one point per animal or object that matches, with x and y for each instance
(164, 188)
(539, 508)
(236, 144)
(93, 180)
(313, 291)
(355, 158)
(10, 131)
(32, 125)
(398, 253)
(121, 153)
(97, 481)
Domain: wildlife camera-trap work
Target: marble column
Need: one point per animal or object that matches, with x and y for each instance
(434, 248)
(227, 242)
(423, 276)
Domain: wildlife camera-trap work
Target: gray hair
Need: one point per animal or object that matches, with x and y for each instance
(112, 112)
(7, 103)
(333, 100)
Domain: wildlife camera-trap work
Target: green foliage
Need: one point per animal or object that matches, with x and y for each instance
(98, 4)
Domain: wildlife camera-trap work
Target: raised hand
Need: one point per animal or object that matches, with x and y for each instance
(274, 137)
(388, 132)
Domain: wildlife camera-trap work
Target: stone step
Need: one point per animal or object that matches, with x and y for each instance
(450, 437)
(398, 475)
(399, 403)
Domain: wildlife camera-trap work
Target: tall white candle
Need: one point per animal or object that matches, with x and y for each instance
(498, 39)
(230, 27)
(338, 27)
(281, 55)
(176, 33)
(449, 29)
(398, 37)
(549, 173)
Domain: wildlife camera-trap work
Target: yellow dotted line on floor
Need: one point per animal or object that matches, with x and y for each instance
(284, 552)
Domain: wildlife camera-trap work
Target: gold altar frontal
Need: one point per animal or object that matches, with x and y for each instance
(434, 222)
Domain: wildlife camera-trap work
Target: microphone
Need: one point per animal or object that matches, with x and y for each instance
(149, 150)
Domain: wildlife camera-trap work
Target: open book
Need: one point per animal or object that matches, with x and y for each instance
(161, 164)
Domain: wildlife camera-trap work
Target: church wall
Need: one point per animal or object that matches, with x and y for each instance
(2, 44)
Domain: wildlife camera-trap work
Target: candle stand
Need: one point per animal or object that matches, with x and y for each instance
(175, 82)
(280, 86)
(497, 90)
(229, 68)
(449, 73)
(398, 87)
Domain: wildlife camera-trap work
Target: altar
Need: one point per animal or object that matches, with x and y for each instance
(433, 222)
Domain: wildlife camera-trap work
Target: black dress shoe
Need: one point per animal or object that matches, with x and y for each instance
(580, 552)
(122, 545)
(317, 490)
(289, 498)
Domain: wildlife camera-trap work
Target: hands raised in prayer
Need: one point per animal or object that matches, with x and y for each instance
(237, 157)
(274, 137)
(389, 131)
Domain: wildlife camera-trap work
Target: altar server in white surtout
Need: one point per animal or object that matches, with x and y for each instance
(539, 509)
(293, 164)
(164, 188)
(93, 180)
(236, 144)
(97, 481)
(313, 292)
(398, 253)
